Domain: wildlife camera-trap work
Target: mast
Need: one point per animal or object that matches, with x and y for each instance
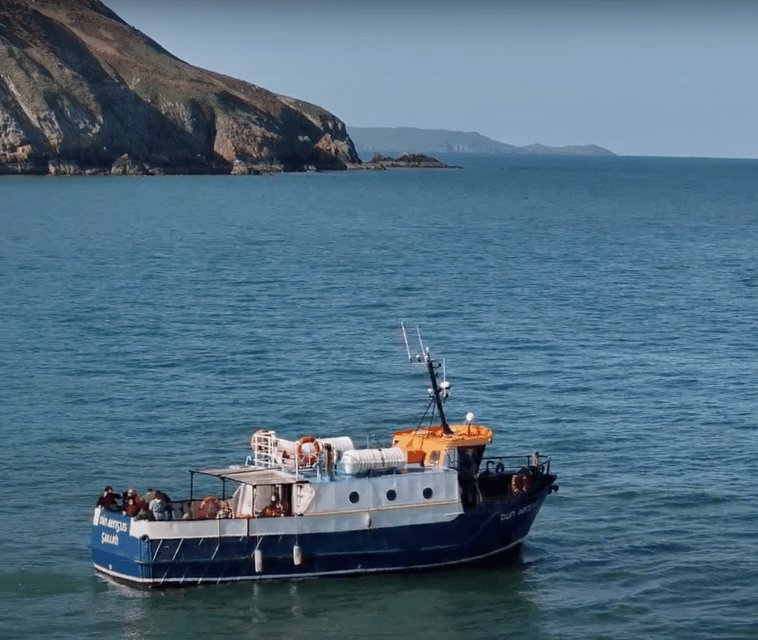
(439, 392)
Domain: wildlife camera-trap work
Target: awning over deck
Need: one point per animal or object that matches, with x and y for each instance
(246, 475)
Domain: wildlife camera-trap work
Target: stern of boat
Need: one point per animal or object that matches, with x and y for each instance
(115, 551)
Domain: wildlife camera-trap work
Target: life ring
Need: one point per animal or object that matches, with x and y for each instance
(520, 484)
(306, 460)
(208, 509)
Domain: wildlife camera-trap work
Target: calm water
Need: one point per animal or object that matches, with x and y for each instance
(601, 310)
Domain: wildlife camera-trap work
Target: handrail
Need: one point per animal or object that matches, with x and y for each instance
(543, 462)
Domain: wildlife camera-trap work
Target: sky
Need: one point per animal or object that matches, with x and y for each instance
(643, 77)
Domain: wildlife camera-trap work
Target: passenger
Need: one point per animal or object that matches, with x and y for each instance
(108, 499)
(149, 495)
(144, 513)
(132, 503)
(160, 506)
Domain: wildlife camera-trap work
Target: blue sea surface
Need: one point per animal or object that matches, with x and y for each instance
(601, 310)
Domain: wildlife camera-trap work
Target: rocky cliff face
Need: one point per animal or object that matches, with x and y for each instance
(83, 92)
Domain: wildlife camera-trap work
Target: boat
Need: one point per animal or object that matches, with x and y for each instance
(320, 506)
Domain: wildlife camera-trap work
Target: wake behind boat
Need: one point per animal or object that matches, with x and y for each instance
(318, 506)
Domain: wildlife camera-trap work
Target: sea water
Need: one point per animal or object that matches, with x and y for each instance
(599, 310)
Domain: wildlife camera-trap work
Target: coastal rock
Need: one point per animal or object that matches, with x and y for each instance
(83, 92)
(126, 166)
(405, 160)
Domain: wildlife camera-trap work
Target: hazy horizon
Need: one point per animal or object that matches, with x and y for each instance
(649, 78)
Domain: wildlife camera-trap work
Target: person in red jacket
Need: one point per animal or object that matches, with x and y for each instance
(132, 503)
(108, 499)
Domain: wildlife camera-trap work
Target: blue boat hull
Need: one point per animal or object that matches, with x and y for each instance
(490, 531)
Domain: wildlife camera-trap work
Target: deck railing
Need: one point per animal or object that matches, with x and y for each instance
(501, 464)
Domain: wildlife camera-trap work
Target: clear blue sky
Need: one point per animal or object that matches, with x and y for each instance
(644, 77)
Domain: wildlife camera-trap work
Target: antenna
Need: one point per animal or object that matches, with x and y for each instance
(405, 337)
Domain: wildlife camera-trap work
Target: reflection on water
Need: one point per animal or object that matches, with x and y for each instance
(462, 603)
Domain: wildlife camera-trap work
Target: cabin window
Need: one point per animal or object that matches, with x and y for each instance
(354, 497)
(434, 457)
(391, 495)
(428, 493)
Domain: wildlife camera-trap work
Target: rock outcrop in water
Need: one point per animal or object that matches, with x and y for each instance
(404, 161)
(83, 92)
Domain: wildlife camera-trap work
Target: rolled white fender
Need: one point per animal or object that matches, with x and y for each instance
(363, 460)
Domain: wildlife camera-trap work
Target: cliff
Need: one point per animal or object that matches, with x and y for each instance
(83, 92)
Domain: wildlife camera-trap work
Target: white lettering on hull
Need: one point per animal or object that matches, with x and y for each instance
(109, 538)
(504, 517)
(112, 523)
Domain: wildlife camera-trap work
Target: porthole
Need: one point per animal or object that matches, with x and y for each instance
(428, 493)
(391, 495)
(354, 497)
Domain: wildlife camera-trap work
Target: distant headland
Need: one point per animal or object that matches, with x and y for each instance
(411, 139)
